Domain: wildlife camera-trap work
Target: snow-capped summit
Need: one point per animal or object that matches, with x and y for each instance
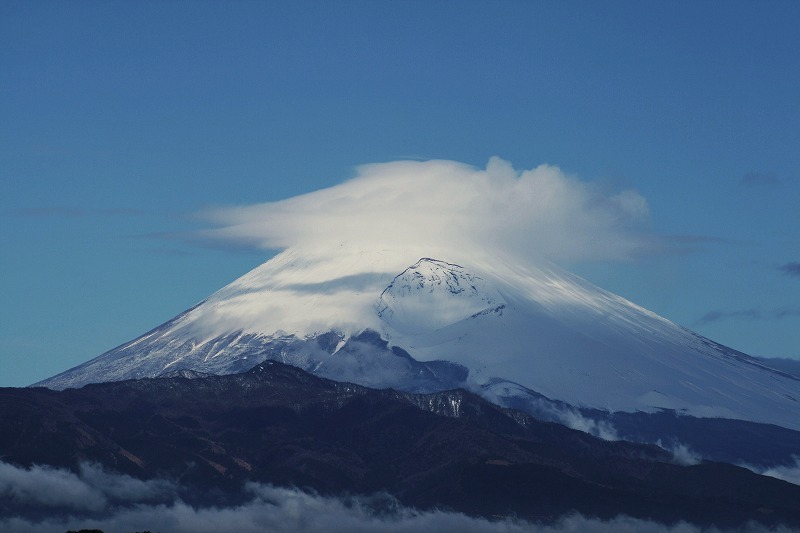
(423, 319)
(432, 294)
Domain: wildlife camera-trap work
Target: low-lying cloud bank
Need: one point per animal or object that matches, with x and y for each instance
(537, 213)
(91, 489)
(114, 502)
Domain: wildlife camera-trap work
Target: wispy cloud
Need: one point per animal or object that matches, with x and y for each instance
(747, 314)
(760, 179)
(165, 251)
(196, 240)
(72, 212)
(114, 502)
(534, 213)
(57, 212)
(716, 316)
(688, 244)
(700, 239)
(791, 269)
(573, 419)
(786, 312)
(788, 472)
(681, 453)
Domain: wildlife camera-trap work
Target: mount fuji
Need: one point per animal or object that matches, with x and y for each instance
(527, 336)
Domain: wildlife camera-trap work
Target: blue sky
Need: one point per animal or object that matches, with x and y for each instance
(121, 121)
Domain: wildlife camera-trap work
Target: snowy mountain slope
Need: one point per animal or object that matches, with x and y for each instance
(444, 318)
(433, 294)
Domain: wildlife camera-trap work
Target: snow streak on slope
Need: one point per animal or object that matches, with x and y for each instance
(516, 331)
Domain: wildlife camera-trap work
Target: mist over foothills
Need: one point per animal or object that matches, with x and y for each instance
(113, 502)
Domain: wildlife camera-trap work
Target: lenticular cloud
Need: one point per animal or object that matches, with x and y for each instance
(538, 213)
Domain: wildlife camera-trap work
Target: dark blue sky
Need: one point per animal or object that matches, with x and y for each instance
(121, 121)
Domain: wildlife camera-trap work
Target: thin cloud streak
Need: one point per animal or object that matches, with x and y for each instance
(540, 213)
(746, 314)
(791, 269)
(689, 244)
(71, 212)
(199, 241)
(716, 316)
(760, 179)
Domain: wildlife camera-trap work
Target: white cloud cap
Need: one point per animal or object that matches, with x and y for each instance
(534, 214)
